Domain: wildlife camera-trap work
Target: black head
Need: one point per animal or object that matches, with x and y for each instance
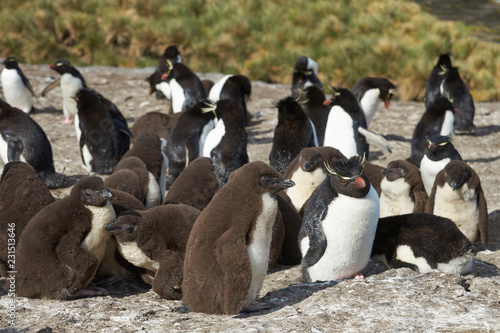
(61, 66)
(86, 96)
(441, 105)
(439, 147)
(344, 98)
(289, 108)
(153, 80)
(172, 53)
(10, 63)
(125, 228)
(347, 177)
(444, 63)
(91, 191)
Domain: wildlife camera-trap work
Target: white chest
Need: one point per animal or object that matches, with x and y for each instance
(214, 137)
(429, 169)
(214, 94)
(305, 184)
(136, 257)
(69, 87)
(164, 87)
(395, 198)
(96, 240)
(154, 196)
(4, 151)
(369, 103)
(178, 96)
(447, 127)
(339, 132)
(258, 250)
(349, 228)
(14, 90)
(460, 206)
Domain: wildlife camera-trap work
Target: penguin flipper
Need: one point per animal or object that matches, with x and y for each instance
(317, 238)
(14, 148)
(168, 278)
(28, 86)
(375, 138)
(51, 86)
(122, 127)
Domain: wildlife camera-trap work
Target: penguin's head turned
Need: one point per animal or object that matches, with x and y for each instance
(347, 177)
(61, 66)
(91, 191)
(125, 227)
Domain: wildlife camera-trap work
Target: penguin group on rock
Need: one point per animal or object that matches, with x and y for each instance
(176, 201)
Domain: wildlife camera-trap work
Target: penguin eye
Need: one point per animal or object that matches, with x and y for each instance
(129, 230)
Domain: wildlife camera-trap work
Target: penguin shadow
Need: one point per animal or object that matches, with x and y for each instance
(374, 155)
(394, 137)
(48, 109)
(121, 287)
(483, 160)
(483, 131)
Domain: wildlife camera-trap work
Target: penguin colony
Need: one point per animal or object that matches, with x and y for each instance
(178, 203)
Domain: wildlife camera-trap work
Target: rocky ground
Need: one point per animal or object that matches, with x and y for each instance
(387, 300)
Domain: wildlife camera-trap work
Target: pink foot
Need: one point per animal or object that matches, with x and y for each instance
(358, 276)
(256, 306)
(66, 121)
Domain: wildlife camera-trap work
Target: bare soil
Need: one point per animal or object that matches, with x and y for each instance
(387, 300)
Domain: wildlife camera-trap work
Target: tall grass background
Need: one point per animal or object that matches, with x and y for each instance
(256, 38)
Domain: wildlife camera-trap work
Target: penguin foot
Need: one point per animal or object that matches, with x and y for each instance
(358, 276)
(256, 306)
(66, 121)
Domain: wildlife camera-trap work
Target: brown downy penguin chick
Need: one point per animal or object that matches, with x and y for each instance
(155, 240)
(148, 147)
(22, 195)
(293, 133)
(154, 122)
(290, 250)
(402, 189)
(62, 247)
(195, 186)
(422, 242)
(307, 171)
(143, 186)
(457, 194)
(227, 253)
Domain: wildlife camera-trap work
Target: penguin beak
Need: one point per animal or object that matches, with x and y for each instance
(52, 66)
(164, 76)
(105, 194)
(287, 183)
(111, 227)
(387, 103)
(453, 185)
(327, 102)
(360, 182)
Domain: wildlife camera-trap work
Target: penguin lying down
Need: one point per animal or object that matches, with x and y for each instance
(422, 242)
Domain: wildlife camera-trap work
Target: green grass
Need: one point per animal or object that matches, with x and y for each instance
(260, 39)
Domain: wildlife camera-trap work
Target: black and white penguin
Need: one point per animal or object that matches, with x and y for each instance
(16, 87)
(227, 253)
(457, 91)
(433, 87)
(440, 151)
(22, 139)
(422, 242)
(155, 240)
(148, 147)
(234, 87)
(185, 89)
(305, 74)
(293, 133)
(102, 132)
(346, 126)
(339, 223)
(457, 194)
(170, 53)
(22, 195)
(369, 91)
(402, 189)
(186, 141)
(196, 184)
(438, 118)
(62, 246)
(307, 171)
(71, 81)
(312, 101)
(226, 143)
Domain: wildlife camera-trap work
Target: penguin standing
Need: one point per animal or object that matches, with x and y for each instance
(155, 240)
(433, 87)
(16, 87)
(307, 171)
(422, 242)
(185, 89)
(440, 151)
(22, 195)
(293, 133)
(402, 189)
(455, 88)
(438, 118)
(170, 53)
(234, 87)
(311, 99)
(71, 81)
(305, 74)
(22, 139)
(186, 141)
(227, 252)
(369, 91)
(226, 144)
(346, 126)
(62, 247)
(339, 224)
(103, 133)
(457, 194)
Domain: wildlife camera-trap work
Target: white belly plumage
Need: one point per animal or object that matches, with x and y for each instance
(14, 90)
(395, 198)
(69, 87)
(339, 132)
(96, 240)
(429, 169)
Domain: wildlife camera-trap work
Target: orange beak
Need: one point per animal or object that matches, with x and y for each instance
(327, 102)
(164, 76)
(387, 103)
(360, 182)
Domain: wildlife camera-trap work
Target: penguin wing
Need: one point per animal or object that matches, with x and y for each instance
(429, 206)
(375, 138)
(122, 127)
(14, 147)
(314, 229)
(27, 84)
(483, 216)
(51, 86)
